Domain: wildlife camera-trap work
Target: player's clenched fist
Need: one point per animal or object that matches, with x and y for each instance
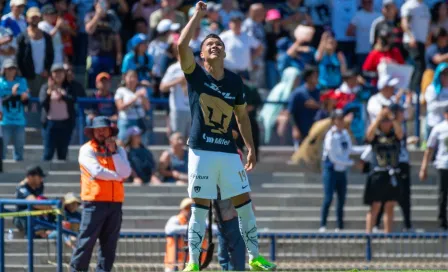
(201, 8)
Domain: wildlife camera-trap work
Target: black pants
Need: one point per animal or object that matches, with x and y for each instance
(405, 196)
(57, 135)
(417, 54)
(100, 220)
(443, 190)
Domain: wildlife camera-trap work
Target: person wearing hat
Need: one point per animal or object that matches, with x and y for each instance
(8, 43)
(104, 41)
(104, 167)
(30, 188)
(16, 14)
(35, 53)
(14, 93)
(52, 24)
(437, 142)
(158, 48)
(139, 60)
(103, 86)
(336, 163)
(385, 135)
(58, 113)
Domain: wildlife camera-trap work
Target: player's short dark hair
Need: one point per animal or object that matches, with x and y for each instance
(210, 36)
(309, 71)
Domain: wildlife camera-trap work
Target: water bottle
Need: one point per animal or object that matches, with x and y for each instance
(10, 235)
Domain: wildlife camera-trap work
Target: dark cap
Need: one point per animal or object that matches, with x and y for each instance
(48, 9)
(35, 171)
(237, 16)
(337, 114)
(395, 108)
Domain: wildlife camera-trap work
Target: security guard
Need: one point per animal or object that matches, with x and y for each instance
(104, 166)
(336, 161)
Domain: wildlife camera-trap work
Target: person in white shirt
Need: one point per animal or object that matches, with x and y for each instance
(51, 25)
(360, 28)
(17, 8)
(436, 97)
(438, 140)
(415, 22)
(239, 47)
(336, 162)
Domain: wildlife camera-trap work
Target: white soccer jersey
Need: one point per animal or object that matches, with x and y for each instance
(439, 138)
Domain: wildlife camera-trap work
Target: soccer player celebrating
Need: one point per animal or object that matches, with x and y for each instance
(215, 94)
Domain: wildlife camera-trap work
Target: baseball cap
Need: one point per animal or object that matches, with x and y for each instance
(212, 6)
(273, 14)
(175, 27)
(395, 108)
(102, 75)
(138, 39)
(48, 9)
(70, 198)
(387, 81)
(388, 2)
(35, 171)
(133, 131)
(33, 12)
(57, 67)
(337, 114)
(17, 3)
(164, 26)
(9, 63)
(237, 16)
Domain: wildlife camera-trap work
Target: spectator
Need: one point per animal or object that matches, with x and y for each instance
(14, 94)
(274, 31)
(437, 143)
(439, 16)
(294, 13)
(415, 19)
(320, 13)
(336, 162)
(271, 114)
(68, 29)
(103, 27)
(100, 160)
(298, 55)
(141, 159)
(51, 25)
(120, 7)
(16, 14)
(175, 83)
(158, 48)
(383, 51)
(12, 25)
(81, 8)
(35, 53)
(436, 54)
(173, 163)
(212, 23)
(167, 11)
(140, 27)
(76, 88)
(8, 44)
(228, 11)
(239, 46)
(139, 60)
(30, 188)
(71, 221)
(303, 105)
(342, 13)
(144, 9)
(58, 114)
(436, 97)
(330, 62)
(132, 104)
(109, 110)
(384, 134)
(359, 27)
(389, 22)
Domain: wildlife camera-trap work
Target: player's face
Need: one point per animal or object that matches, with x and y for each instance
(213, 49)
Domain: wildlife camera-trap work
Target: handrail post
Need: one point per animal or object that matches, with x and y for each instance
(81, 120)
(273, 244)
(2, 240)
(59, 238)
(30, 234)
(368, 248)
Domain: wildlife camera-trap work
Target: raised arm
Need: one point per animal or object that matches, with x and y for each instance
(185, 53)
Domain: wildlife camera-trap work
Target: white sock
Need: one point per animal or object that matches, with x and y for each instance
(248, 228)
(196, 231)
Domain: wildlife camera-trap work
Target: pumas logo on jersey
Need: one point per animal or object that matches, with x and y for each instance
(215, 140)
(196, 176)
(216, 89)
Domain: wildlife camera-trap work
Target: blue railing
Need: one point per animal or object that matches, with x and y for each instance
(30, 230)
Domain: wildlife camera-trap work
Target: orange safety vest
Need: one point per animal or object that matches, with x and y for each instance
(170, 254)
(93, 189)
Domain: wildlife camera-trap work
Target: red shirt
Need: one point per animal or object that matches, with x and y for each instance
(375, 57)
(70, 20)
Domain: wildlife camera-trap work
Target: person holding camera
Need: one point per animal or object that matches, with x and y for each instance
(384, 135)
(104, 167)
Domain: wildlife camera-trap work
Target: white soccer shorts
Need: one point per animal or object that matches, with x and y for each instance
(208, 169)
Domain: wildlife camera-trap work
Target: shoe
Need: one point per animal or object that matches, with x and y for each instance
(191, 267)
(337, 230)
(375, 229)
(322, 229)
(260, 264)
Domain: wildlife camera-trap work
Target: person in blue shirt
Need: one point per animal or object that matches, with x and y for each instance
(304, 104)
(138, 59)
(331, 63)
(14, 93)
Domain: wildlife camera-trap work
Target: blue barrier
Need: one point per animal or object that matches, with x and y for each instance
(30, 231)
